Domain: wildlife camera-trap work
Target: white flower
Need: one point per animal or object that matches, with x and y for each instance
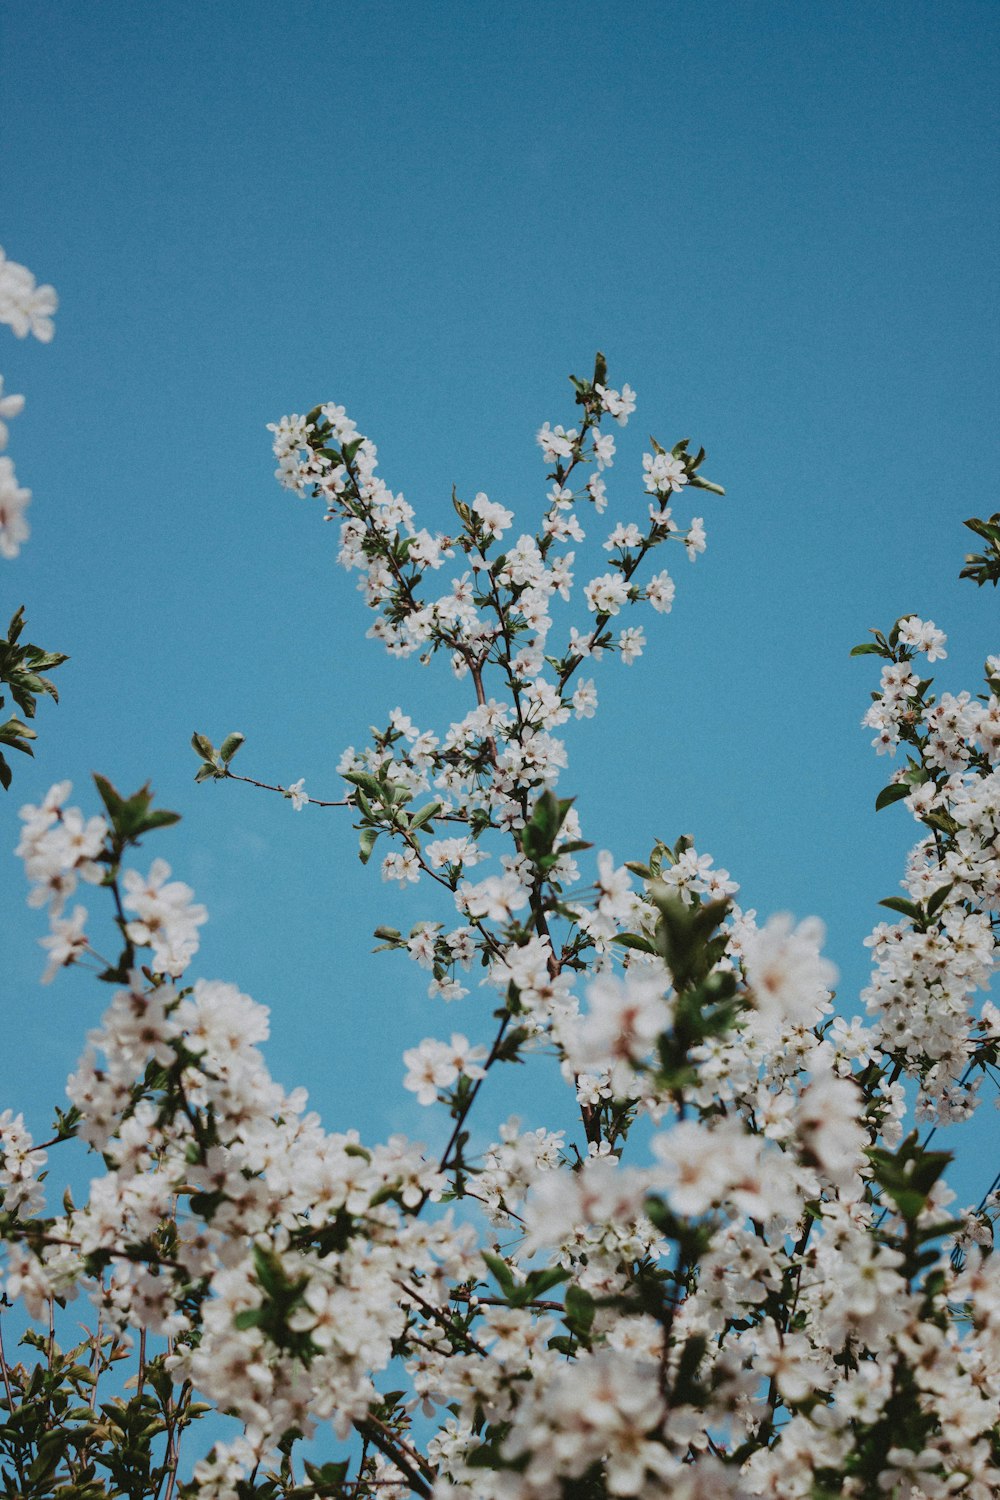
(828, 1126)
(606, 595)
(625, 1016)
(600, 1193)
(623, 537)
(618, 404)
(787, 974)
(660, 592)
(556, 442)
(585, 699)
(604, 449)
(495, 518)
(436, 1065)
(167, 919)
(404, 868)
(496, 898)
(10, 406)
(664, 473)
(66, 942)
(14, 500)
(296, 794)
(694, 542)
(924, 636)
(24, 306)
(631, 643)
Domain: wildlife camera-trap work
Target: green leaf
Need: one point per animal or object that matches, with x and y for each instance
(15, 734)
(634, 940)
(364, 805)
(203, 746)
(366, 783)
(547, 817)
(425, 815)
(580, 1309)
(941, 820)
(988, 530)
(937, 900)
(131, 816)
(113, 802)
(908, 1174)
(697, 483)
(230, 745)
(894, 792)
(502, 1273)
(540, 1282)
(461, 509)
(17, 623)
(868, 648)
(250, 1317)
(904, 907)
(327, 1475)
(366, 843)
(160, 818)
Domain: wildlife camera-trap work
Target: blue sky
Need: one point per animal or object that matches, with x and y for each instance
(780, 223)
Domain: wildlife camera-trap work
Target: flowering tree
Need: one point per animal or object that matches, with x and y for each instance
(731, 1268)
(26, 308)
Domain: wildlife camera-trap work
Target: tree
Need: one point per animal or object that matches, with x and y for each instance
(734, 1274)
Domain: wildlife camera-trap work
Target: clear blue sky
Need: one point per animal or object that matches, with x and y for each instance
(780, 222)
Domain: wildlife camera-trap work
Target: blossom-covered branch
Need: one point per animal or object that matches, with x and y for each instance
(725, 1267)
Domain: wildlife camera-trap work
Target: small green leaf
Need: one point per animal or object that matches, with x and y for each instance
(895, 792)
(113, 802)
(937, 900)
(16, 734)
(366, 783)
(904, 907)
(160, 818)
(636, 941)
(502, 1273)
(425, 815)
(697, 483)
(230, 745)
(366, 843)
(580, 1309)
(941, 820)
(17, 623)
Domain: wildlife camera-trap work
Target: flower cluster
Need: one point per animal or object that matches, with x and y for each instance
(26, 308)
(724, 1269)
(931, 962)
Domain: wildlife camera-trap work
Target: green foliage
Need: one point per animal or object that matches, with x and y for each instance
(133, 816)
(215, 763)
(984, 567)
(21, 669)
(908, 1175)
